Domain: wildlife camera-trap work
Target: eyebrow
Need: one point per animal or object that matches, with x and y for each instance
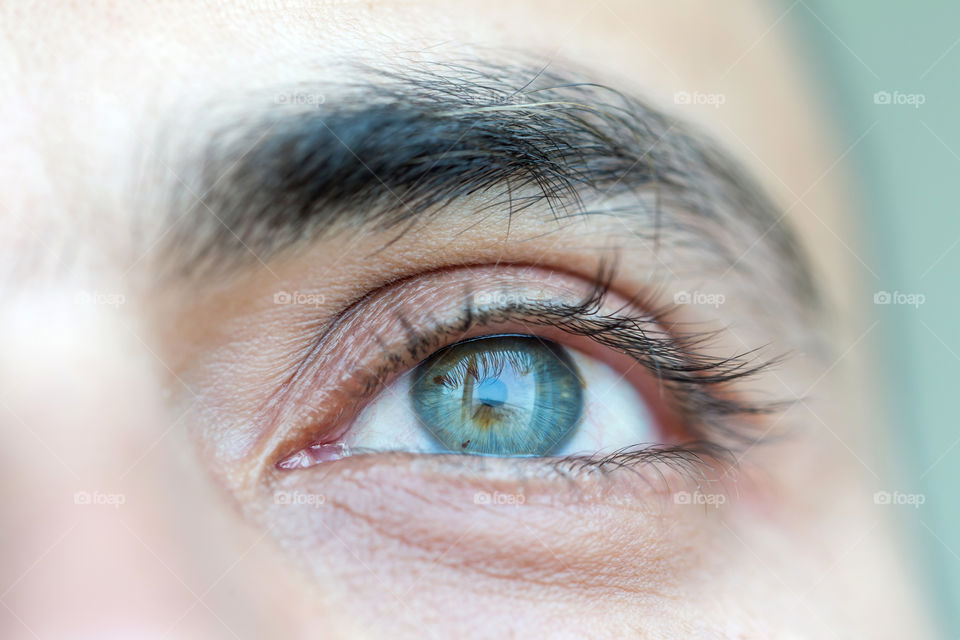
(391, 149)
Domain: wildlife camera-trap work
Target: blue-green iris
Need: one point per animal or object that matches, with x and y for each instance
(506, 395)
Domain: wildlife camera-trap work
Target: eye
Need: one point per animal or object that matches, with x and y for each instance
(505, 395)
(501, 395)
(540, 366)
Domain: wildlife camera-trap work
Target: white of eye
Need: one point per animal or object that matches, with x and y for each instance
(615, 416)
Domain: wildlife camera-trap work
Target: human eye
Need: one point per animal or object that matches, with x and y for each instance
(464, 293)
(502, 395)
(518, 362)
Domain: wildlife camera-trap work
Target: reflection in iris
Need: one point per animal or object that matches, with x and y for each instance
(505, 395)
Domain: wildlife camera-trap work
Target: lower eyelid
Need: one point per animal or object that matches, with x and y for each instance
(650, 481)
(530, 519)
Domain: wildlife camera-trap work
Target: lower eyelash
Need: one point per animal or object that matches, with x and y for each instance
(692, 459)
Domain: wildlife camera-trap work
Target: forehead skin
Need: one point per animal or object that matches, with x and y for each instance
(87, 88)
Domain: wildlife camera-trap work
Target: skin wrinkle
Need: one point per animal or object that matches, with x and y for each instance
(401, 146)
(556, 567)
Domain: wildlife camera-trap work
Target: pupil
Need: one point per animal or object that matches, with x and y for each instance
(492, 392)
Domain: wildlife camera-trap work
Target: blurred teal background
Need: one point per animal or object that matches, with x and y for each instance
(907, 169)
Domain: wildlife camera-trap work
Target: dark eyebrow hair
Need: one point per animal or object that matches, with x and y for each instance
(392, 148)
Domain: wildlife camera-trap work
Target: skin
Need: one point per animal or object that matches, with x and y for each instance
(151, 401)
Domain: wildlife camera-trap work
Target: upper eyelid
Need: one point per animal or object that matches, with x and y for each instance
(352, 306)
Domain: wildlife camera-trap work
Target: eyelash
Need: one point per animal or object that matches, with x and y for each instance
(697, 383)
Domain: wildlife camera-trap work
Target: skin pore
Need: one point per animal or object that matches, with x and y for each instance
(167, 389)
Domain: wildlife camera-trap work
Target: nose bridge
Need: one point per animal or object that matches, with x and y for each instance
(82, 552)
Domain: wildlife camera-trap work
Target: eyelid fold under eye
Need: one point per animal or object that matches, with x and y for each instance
(450, 306)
